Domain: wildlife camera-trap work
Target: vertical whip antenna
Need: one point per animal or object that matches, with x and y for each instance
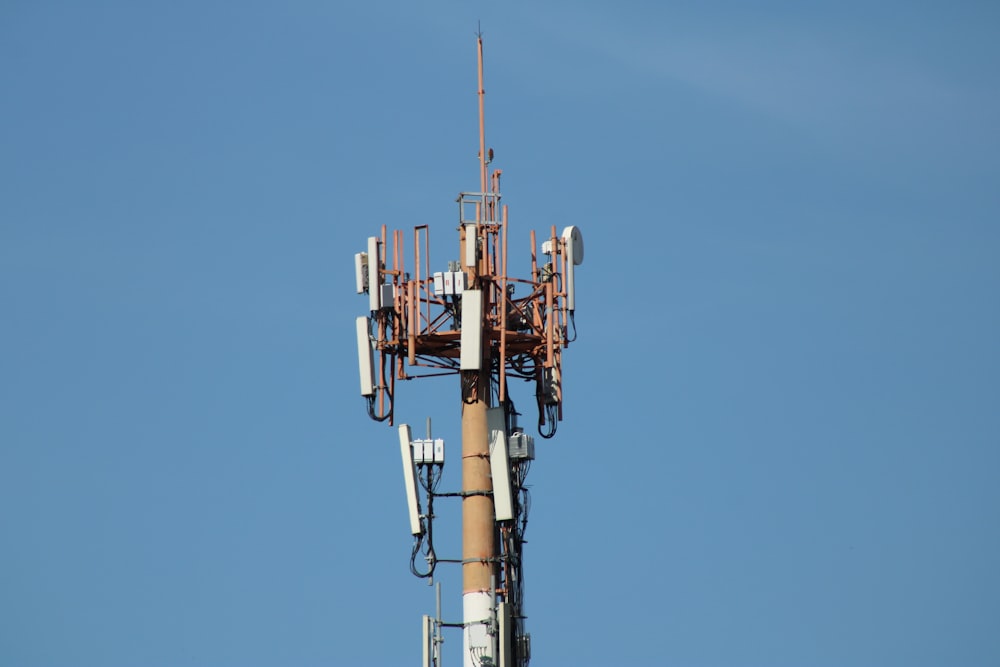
(482, 122)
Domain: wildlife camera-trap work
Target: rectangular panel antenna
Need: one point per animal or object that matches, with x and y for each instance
(427, 640)
(499, 464)
(361, 271)
(410, 480)
(471, 239)
(572, 241)
(505, 626)
(373, 278)
(472, 330)
(570, 287)
(365, 363)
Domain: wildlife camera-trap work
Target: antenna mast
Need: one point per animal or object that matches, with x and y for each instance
(482, 118)
(467, 322)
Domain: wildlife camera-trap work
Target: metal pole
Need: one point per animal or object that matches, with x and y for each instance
(477, 503)
(437, 629)
(482, 122)
(477, 524)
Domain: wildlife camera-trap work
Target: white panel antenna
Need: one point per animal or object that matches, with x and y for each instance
(471, 240)
(504, 628)
(472, 330)
(361, 271)
(374, 293)
(574, 257)
(499, 464)
(428, 640)
(366, 364)
(410, 480)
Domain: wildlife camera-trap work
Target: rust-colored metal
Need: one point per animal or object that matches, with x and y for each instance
(549, 343)
(412, 312)
(482, 121)
(534, 258)
(477, 510)
(392, 392)
(427, 266)
(504, 301)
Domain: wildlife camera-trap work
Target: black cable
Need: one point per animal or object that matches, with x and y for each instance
(526, 504)
(518, 364)
(434, 473)
(510, 412)
(429, 557)
(495, 379)
(428, 535)
(371, 409)
(373, 325)
(522, 506)
(469, 380)
(548, 416)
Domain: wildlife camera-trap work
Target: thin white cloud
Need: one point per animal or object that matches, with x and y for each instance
(839, 83)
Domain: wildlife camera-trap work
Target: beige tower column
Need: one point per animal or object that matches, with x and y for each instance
(478, 547)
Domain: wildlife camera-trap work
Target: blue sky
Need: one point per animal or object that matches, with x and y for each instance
(782, 437)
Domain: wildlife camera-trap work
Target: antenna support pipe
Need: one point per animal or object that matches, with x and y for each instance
(482, 121)
(478, 549)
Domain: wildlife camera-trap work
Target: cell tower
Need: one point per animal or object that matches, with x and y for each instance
(467, 321)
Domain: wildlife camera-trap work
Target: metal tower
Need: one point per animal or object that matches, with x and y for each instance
(470, 321)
